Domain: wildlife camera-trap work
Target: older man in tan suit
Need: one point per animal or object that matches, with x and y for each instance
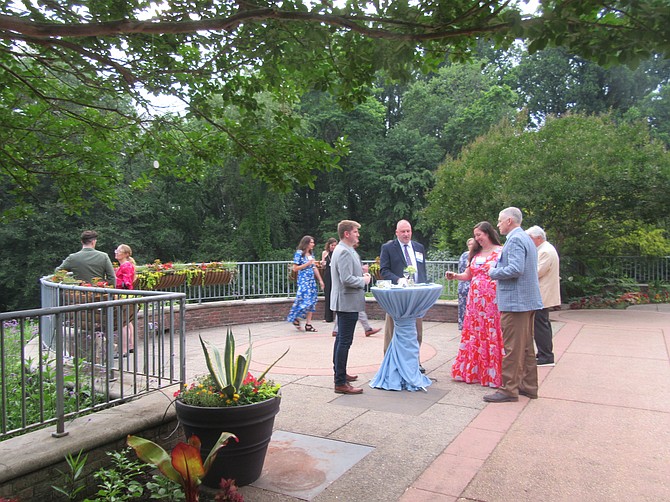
(550, 289)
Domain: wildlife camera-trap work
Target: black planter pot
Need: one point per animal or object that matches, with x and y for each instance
(251, 423)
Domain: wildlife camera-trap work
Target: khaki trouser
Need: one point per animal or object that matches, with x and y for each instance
(519, 365)
(388, 331)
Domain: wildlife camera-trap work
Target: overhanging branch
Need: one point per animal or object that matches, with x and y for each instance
(364, 25)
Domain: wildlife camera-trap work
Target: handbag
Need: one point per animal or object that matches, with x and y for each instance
(292, 274)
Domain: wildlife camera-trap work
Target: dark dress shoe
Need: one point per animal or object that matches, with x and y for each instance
(371, 332)
(500, 397)
(527, 394)
(352, 378)
(347, 389)
(422, 369)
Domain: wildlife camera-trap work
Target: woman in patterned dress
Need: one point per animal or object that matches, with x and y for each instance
(479, 358)
(305, 298)
(463, 286)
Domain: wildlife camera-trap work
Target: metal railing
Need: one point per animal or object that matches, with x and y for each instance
(270, 279)
(639, 268)
(67, 358)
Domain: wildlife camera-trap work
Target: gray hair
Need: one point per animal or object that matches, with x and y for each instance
(514, 213)
(536, 231)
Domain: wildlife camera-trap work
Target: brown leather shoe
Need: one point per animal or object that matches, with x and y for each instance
(334, 333)
(371, 332)
(352, 378)
(347, 389)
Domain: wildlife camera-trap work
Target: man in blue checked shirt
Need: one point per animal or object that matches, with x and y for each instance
(518, 298)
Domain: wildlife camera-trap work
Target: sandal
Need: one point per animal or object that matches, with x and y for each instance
(296, 323)
(309, 327)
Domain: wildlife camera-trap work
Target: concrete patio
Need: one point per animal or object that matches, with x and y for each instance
(599, 432)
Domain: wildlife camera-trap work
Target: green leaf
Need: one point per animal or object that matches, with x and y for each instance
(215, 364)
(151, 453)
(220, 443)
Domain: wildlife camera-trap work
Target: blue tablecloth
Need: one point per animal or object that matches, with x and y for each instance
(400, 368)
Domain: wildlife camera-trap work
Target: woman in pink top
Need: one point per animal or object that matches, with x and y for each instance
(125, 277)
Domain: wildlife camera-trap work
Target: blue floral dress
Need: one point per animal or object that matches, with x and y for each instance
(305, 297)
(463, 288)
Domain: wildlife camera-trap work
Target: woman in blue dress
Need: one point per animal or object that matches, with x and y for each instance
(463, 286)
(305, 298)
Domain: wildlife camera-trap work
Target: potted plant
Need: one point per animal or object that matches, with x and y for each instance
(215, 272)
(230, 399)
(157, 275)
(409, 274)
(375, 270)
(64, 276)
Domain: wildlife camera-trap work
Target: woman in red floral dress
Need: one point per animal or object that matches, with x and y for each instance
(480, 352)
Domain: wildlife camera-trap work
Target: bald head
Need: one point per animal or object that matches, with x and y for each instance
(403, 231)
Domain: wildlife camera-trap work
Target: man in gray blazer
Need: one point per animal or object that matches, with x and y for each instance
(518, 297)
(347, 299)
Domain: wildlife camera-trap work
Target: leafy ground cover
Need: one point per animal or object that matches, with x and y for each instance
(30, 386)
(620, 297)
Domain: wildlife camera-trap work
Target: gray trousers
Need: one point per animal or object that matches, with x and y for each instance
(362, 318)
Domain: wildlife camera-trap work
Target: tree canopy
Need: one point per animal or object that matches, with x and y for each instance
(69, 61)
(180, 192)
(619, 31)
(597, 186)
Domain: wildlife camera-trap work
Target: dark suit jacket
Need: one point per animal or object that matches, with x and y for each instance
(392, 261)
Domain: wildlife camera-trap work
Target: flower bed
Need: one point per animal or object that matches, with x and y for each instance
(621, 301)
(159, 275)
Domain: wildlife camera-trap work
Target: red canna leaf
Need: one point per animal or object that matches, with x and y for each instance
(187, 461)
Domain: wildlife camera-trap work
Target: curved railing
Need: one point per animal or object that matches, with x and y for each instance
(270, 279)
(74, 342)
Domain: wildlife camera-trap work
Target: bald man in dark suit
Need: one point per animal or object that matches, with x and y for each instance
(395, 257)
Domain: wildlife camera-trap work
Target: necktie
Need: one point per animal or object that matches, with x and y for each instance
(407, 258)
